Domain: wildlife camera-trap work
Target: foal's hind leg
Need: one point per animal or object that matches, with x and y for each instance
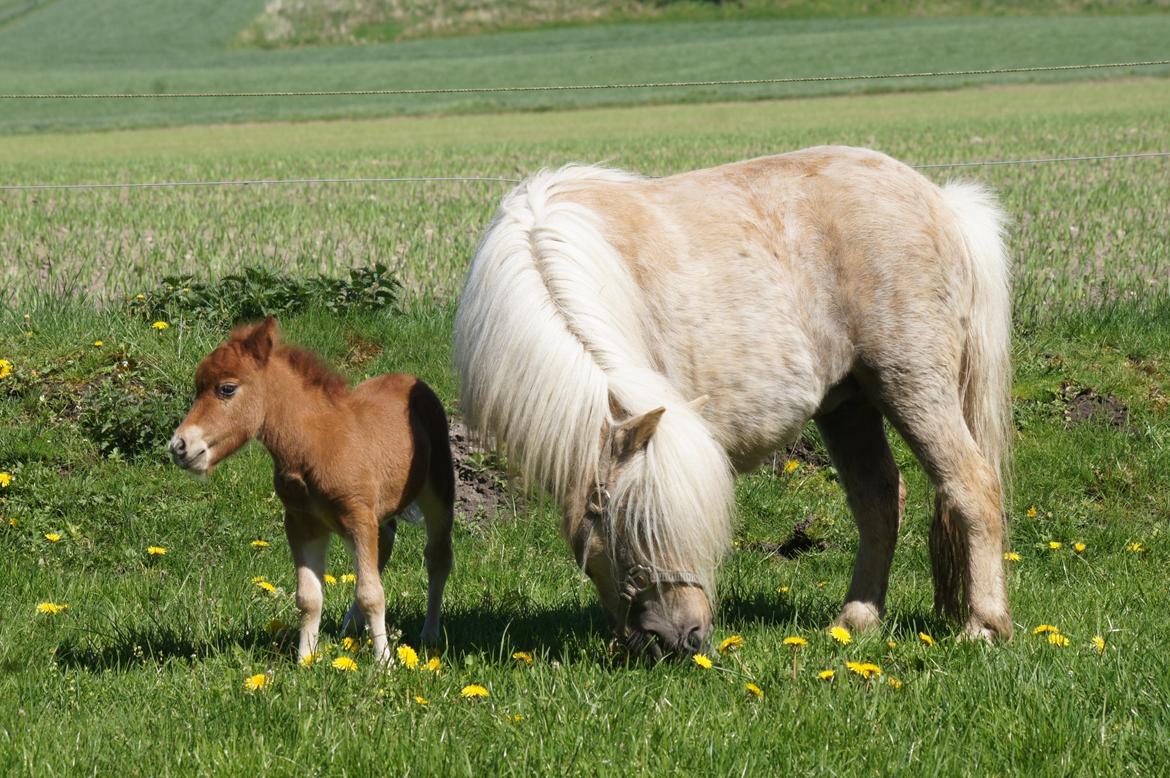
(438, 506)
(355, 620)
(968, 531)
(856, 441)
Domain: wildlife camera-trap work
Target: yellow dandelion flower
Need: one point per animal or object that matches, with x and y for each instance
(408, 657)
(140, 297)
(702, 660)
(160, 325)
(782, 589)
(275, 625)
(156, 550)
(308, 660)
(266, 586)
(1011, 556)
(53, 537)
(433, 664)
(349, 578)
(420, 700)
(98, 344)
(791, 466)
(1135, 548)
(1057, 639)
(841, 635)
(258, 543)
(1032, 512)
(1079, 547)
(12, 522)
(474, 690)
(1055, 545)
(795, 641)
(864, 669)
(345, 664)
(350, 644)
(1098, 643)
(50, 608)
(925, 638)
(822, 584)
(255, 683)
(5, 368)
(827, 675)
(730, 644)
(891, 644)
(1043, 628)
(516, 718)
(256, 579)
(754, 690)
(330, 580)
(523, 656)
(894, 683)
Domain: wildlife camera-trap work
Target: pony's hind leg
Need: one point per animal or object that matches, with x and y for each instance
(355, 620)
(967, 538)
(854, 435)
(438, 505)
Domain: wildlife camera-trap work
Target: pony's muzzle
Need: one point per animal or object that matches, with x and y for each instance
(188, 449)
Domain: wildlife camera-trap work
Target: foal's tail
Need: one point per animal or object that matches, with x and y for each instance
(985, 378)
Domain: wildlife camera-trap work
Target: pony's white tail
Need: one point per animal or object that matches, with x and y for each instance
(550, 326)
(987, 372)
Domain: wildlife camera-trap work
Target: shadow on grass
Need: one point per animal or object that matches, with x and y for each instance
(491, 632)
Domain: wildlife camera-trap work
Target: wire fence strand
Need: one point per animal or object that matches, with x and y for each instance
(506, 180)
(578, 87)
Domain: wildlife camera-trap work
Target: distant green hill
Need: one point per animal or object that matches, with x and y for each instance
(188, 45)
(300, 22)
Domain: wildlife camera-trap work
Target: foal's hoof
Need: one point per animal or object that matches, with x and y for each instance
(859, 616)
(354, 621)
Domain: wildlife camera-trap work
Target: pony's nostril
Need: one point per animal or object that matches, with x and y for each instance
(178, 445)
(694, 640)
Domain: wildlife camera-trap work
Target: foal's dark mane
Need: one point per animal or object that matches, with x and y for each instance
(313, 370)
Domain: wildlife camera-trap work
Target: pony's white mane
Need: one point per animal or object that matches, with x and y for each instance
(551, 323)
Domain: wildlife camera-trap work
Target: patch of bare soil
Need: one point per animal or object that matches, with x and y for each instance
(799, 542)
(1083, 404)
(484, 490)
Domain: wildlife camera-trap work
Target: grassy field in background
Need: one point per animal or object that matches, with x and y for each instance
(172, 46)
(1085, 231)
(144, 672)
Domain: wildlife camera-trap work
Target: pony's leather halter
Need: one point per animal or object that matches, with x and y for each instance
(636, 576)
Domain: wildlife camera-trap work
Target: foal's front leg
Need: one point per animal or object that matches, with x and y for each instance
(362, 538)
(308, 542)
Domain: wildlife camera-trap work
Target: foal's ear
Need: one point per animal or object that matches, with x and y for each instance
(262, 340)
(633, 435)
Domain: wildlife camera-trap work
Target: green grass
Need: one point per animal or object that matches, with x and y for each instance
(121, 45)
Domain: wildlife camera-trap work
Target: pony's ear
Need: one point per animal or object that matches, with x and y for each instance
(633, 435)
(262, 339)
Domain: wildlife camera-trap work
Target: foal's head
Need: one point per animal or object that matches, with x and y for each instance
(653, 594)
(229, 399)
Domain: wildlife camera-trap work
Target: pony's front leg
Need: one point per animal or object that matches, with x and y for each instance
(362, 538)
(308, 542)
(856, 440)
(355, 620)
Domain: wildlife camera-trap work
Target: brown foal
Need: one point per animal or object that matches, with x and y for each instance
(346, 461)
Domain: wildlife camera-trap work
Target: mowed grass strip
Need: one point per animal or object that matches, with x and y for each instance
(71, 46)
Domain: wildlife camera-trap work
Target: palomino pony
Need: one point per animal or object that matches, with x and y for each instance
(346, 461)
(832, 284)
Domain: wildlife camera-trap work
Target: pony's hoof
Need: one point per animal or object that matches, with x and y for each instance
(988, 629)
(859, 616)
(430, 637)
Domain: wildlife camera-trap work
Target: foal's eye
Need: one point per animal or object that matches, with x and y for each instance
(226, 390)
